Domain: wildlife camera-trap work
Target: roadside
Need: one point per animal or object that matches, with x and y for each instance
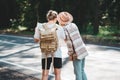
(88, 39)
(103, 41)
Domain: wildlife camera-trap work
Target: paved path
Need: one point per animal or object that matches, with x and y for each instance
(23, 55)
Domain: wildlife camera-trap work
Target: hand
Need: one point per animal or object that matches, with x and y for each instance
(36, 40)
(74, 57)
(70, 57)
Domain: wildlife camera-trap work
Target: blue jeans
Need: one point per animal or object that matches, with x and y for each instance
(79, 69)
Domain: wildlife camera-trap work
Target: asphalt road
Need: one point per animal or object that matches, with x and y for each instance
(7, 74)
(21, 54)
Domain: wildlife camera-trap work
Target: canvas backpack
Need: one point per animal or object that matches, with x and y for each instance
(48, 40)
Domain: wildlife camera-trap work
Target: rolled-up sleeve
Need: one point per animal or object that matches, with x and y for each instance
(37, 32)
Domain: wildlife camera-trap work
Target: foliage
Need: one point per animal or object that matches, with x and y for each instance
(27, 14)
(109, 31)
(90, 15)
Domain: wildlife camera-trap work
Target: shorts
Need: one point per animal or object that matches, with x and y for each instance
(57, 63)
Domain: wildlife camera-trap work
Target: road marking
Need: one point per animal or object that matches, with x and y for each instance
(24, 67)
(18, 43)
(10, 42)
(21, 66)
(16, 36)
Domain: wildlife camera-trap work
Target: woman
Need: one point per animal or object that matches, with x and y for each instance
(52, 18)
(76, 48)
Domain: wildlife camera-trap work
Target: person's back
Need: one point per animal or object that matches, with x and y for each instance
(60, 35)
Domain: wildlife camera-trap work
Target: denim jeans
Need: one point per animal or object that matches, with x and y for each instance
(79, 69)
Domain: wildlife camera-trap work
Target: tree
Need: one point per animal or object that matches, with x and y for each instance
(8, 11)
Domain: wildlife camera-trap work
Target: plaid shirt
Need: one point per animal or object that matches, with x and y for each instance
(74, 41)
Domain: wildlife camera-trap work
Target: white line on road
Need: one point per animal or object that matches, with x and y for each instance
(16, 36)
(9, 42)
(17, 43)
(21, 66)
(24, 67)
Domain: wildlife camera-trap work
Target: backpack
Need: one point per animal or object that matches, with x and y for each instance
(48, 40)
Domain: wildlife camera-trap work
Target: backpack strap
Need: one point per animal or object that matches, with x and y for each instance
(46, 27)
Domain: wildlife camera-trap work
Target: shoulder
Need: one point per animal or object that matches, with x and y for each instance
(70, 25)
(59, 27)
(73, 24)
(39, 25)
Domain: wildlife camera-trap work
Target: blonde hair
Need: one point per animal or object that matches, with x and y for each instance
(51, 15)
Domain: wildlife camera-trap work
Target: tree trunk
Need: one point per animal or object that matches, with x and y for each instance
(96, 19)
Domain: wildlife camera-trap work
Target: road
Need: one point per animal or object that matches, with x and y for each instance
(23, 55)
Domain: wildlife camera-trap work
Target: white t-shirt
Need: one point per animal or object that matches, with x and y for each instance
(60, 34)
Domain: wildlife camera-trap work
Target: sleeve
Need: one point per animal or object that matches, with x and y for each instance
(76, 27)
(37, 32)
(66, 34)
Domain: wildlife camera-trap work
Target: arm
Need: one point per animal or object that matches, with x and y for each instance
(37, 34)
(36, 40)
